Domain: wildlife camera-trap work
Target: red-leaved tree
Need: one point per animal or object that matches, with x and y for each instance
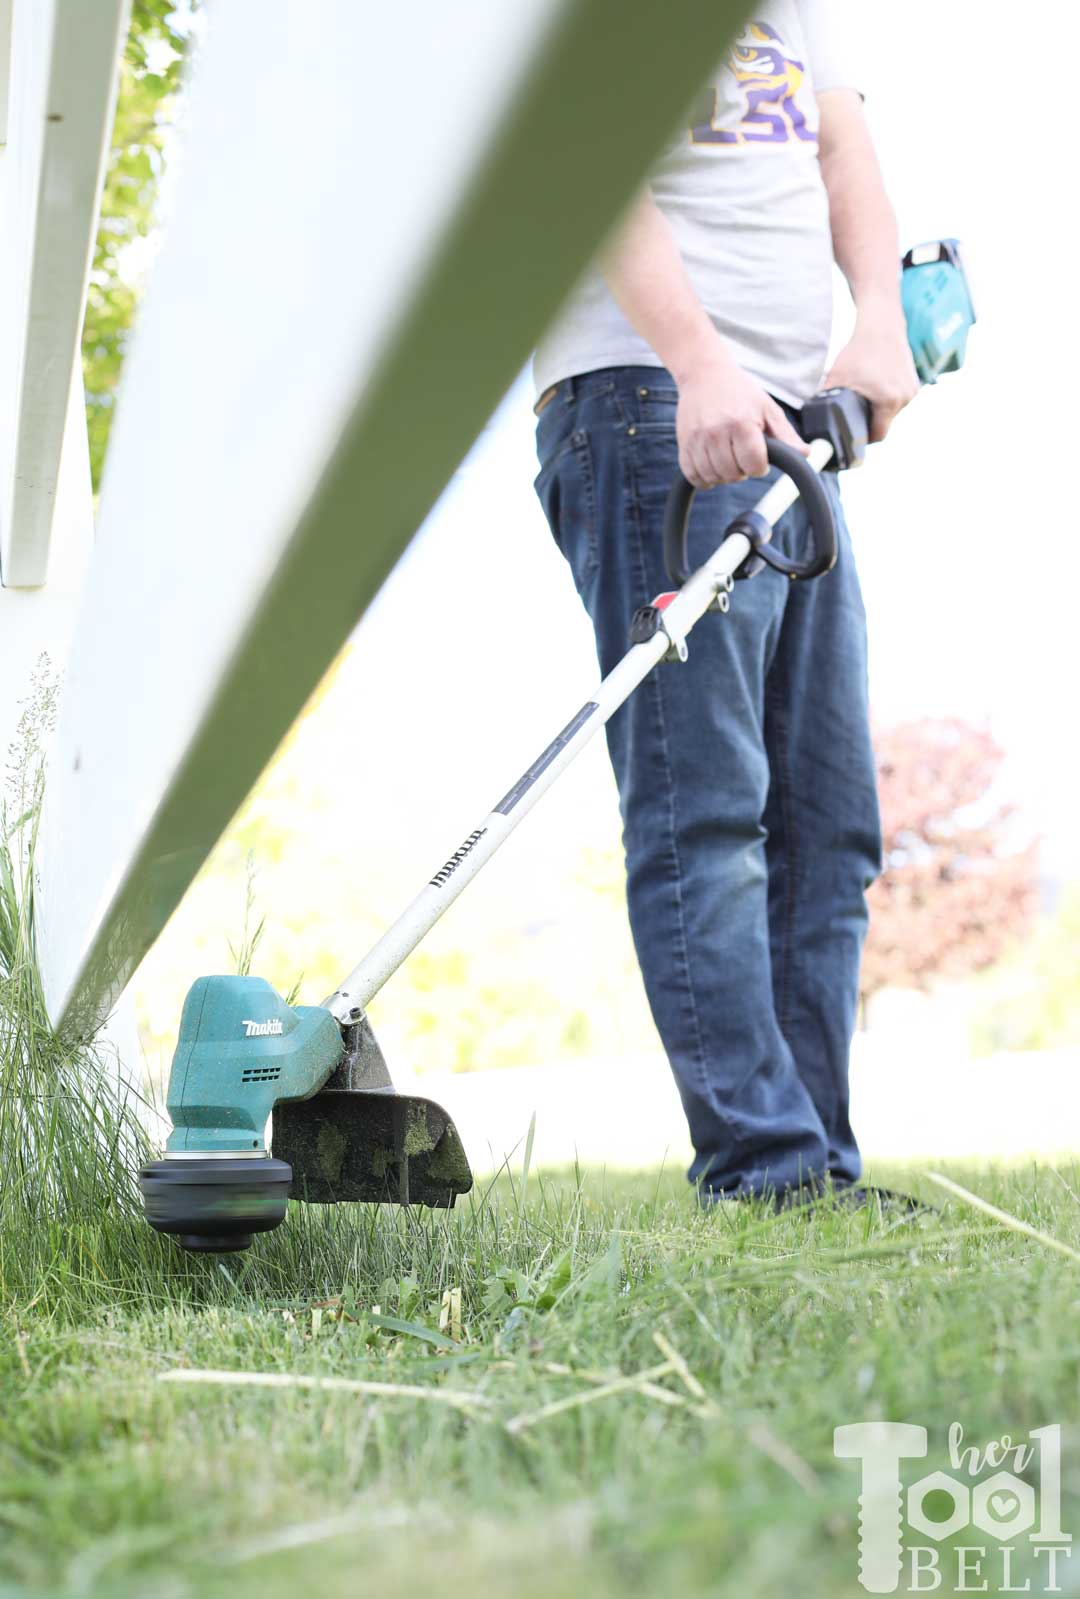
(959, 887)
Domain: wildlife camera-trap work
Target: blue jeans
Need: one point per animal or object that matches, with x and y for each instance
(747, 788)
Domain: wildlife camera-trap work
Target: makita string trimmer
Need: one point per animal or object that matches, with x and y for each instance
(341, 1133)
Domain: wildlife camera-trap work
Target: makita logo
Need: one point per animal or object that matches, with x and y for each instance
(456, 858)
(272, 1029)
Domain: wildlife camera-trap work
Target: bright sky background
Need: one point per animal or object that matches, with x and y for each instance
(965, 521)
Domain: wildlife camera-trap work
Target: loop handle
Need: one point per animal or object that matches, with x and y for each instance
(811, 492)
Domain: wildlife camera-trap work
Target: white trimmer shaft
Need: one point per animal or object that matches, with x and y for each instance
(704, 590)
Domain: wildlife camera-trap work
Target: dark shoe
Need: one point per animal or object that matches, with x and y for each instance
(851, 1196)
(823, 1190)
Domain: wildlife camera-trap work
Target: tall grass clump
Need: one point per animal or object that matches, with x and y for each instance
(70, 1131)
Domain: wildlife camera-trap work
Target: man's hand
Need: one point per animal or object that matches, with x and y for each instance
(721, 422)
(877, 364)
(723, 416)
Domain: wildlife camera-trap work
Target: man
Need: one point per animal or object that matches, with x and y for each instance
(746, 777)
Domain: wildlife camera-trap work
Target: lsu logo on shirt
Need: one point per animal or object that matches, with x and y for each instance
(768, 81)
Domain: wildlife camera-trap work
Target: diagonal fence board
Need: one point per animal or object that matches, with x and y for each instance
(367, 240)
(5, 66)
(63, 81)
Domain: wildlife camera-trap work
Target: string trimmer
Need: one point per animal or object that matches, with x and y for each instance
(341, 1132)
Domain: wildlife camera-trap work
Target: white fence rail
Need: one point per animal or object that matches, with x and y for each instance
(377, 213)
(61, 89)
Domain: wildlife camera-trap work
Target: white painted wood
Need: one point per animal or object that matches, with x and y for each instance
(5, 63)
(36, 625)
(63, 63)
(63, 74)
(378, 211)
(40, 622)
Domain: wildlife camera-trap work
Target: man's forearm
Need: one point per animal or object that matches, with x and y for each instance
(864, 233)
(646, 275)
(723, 415)
(876, 362)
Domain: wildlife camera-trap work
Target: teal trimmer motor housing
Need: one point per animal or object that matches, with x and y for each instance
(241, 1048)
(242, 1051)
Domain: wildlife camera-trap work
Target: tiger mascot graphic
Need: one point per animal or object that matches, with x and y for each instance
(769, 80)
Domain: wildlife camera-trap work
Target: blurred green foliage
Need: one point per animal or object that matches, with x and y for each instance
(150, 75)
(1033, 1000)
(535, 965)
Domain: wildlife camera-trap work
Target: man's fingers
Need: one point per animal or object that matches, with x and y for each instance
(688, 465)
(735, 449)
(706, 459)
(778, 425)
(882, 417)
(694, 465)
(718, 450)
(748, 450)
(723, 465)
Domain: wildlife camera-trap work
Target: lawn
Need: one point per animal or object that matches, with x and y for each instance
(627, 1396)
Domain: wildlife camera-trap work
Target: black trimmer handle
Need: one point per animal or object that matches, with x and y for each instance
(757, 530)
(843, 418)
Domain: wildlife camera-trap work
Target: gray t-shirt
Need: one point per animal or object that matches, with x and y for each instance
(743, 194)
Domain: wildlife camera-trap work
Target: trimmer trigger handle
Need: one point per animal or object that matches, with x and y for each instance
(843, 418)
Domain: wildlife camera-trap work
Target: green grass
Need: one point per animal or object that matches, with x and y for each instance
(716, 1478)
(68, 1139)
(115, 1483)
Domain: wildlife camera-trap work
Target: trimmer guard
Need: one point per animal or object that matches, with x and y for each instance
(371, 1147)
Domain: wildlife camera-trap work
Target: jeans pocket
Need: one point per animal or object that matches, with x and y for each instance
(566, 489)
(656, 407)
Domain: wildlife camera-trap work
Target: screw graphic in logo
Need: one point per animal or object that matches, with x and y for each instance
(880, 1445)
(1002, 1508)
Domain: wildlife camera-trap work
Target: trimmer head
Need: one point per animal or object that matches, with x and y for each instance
(215, 1203)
